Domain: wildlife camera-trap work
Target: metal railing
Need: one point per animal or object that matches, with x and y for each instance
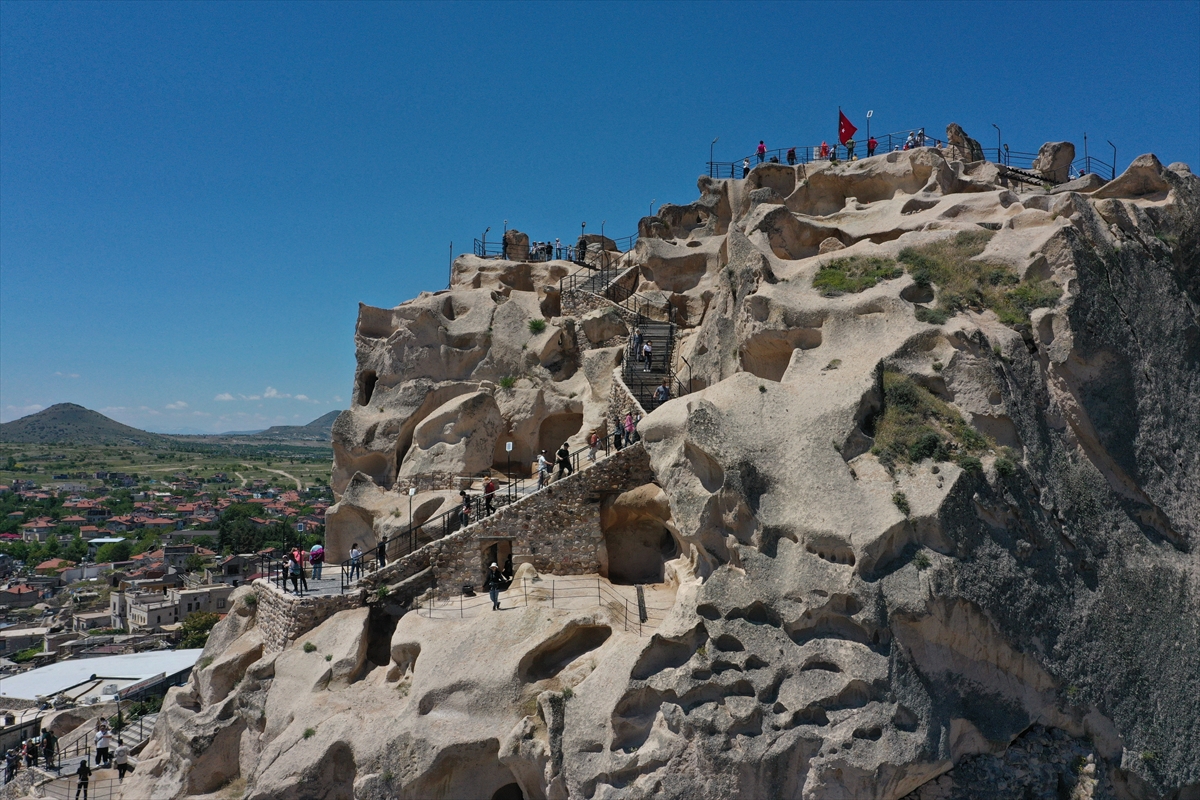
(568, 593)
(543, 251)
(886, 142)
(438, 527)
(66, 787)
(889, 142)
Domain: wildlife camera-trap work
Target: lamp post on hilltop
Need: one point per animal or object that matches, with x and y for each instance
(508, 450)
(411, 491)
(869, 115)
(710, 156)
(484, 247)
(652, 207)
(998, 145)
(1114, 164)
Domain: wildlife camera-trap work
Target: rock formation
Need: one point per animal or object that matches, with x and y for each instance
(925, 517)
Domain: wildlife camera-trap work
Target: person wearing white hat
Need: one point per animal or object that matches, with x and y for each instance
(494, 582)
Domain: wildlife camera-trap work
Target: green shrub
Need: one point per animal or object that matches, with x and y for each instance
(921, 560)
(28, 653)
(537, 325)
(854, 274)
(508, 382)
(1005, 467)
(568, 693)
(916, 425)
(901, 501)
(329, 657)
(970, 463)
(195, 629)
(251, 600)
(309, 647)
(964, 283)
(310, 732)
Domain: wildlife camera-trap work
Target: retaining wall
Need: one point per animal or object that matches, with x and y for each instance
(283, 618)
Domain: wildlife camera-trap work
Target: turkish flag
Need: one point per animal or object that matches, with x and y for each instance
(846, 130)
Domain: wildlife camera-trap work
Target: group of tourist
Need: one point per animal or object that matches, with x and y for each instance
(545, 251)
(294, 566)
(827, 152)
(625, 432)
(28, 751)
(46, 746)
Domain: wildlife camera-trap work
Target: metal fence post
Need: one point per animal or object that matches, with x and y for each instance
(552, 594)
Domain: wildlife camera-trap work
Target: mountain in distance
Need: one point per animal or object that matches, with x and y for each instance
(320, 429)
(68, 423)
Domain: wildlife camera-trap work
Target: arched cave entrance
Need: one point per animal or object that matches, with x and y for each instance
(366, 386)
(636, 537)
(509, 791)
(556, 429)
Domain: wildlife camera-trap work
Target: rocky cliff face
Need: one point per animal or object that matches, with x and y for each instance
(932, 501)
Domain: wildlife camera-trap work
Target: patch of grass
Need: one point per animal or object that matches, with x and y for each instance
(28, 653)
(329, 657)
(204, 662)
(970, 463)
(916, 425)
(938, 366)
(508, 382)
(834, 364)
(537, 325)
(310, 732)
(1005, 467)
(251, 600)
(854, 274)
(568, 693)
(762, 388)
(1149, 755)
(309, 647)
(901, 501)
(387, 776)
(964, 284)
(382, 592)
(921, 560)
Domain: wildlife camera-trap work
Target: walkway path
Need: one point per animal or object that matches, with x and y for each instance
(299, 484)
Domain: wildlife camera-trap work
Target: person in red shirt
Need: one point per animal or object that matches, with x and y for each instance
(299, 556)
(872, 143)
(762, 151)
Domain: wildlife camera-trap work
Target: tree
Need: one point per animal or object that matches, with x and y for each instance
(196, 628)
(194, 563)
(114, 551)
(52, 546)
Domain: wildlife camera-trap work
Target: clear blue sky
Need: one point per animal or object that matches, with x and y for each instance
(195, 196)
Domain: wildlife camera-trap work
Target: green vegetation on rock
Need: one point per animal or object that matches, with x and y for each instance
(916, 425)
(964, 284)
(195, 629)
(854, 274)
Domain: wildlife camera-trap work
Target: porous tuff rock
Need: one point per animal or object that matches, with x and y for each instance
(825, 642)
(1054, 160)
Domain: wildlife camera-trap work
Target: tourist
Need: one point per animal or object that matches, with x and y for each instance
(637, 343)
(872, 143)
(355, 561)
(824, 151)
(618, 434)
(103, 742)
(317, 558)
(489, 495)
(557, 248)
(29, 751)
(745, 167)
(850, 149)
(564, 461)
(637, 427)
(629, 429)
(291, 571)
(11, 764)
(791, 155)
(647, 354)
(921, 138)
(298, 556)
(464, 509)
(494, 583)
(662, 394)
(381, 553)
(49, 744)
(543, 469)
(121, 759)
(593, 445)
(762, 151)
(83, 775)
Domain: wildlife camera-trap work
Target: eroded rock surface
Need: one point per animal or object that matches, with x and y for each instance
(854, 614)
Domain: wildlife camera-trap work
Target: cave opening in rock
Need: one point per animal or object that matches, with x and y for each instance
(366, 386)
(556, 429)
(510, 791)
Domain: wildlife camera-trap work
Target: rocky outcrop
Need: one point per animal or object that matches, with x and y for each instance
(926, 523)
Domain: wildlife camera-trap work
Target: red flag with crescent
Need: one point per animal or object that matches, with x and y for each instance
(846, 130)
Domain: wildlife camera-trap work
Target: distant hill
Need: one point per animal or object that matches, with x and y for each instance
(74, 424)
(320, 430)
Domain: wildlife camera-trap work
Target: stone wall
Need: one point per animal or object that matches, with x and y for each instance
(556, 530)
(621, 401)
(282, 618)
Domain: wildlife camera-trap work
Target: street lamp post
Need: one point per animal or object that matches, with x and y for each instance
(484, 248)
(869, 115)
(508, 450)
(411, 491)
(652, 206)
(710, 156)
(998, 145)
(1114, 164)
